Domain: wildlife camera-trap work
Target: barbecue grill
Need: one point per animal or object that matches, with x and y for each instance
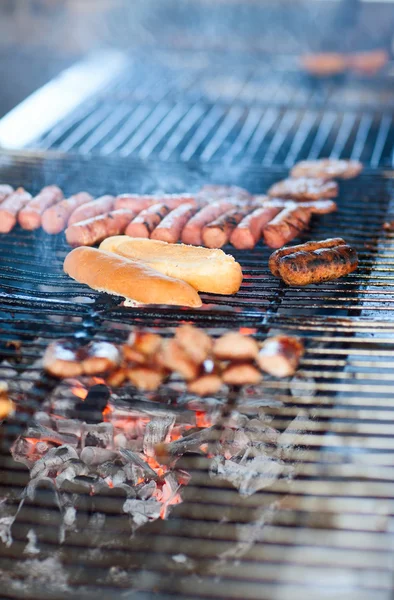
(321, 523)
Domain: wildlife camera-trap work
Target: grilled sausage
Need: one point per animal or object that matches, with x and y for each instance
(304, 188)
(324, 64)
(10, 207)
(91, 231)
(273, 262)
(248, 232)
(317, 207)
(144, 223)
(289, 223)
(55, 218)
(216, 192)
(30, 216)
(5, 190)
(171, 226)
(368, 63)
(327, 168)
(316, 266)
(217, 233)
(279, 356)
(92, 209)
(140, 202)
(192, 232)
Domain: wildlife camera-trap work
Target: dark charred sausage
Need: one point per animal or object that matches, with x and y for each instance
(144, 223)
(170, 228)
(91, 231)
(249, 230)
(30, 216)
(10, 208)
(92, 209)
(304, 188)
(55, 218)
(289, 223)
(317, 266)
(192, 231)
(273, 262)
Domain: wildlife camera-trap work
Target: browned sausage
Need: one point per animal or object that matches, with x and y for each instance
(317, 207)
(218, 232)
(192, 232)
(30, 216)
(5, 190)
(91, 231)
(136, 201)
(273, 262)
(327, 168)
(248, 232)
(10, 207)
(279, 356)
(289, 223)
(323, 264)
(55, 218)
(304, 188)
(217, 192)
(92, 209)
(368, 63)
(144, 223)
(324, 64)
(171, 226)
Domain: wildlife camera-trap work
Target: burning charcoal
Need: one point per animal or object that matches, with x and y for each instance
(7, 407)
(45, 434)
(142, 511)
(146, 378)
(157, 431)
(42, 447)
(249, 477)
(234, 443)
(257, 431)
(112, 473)
(42, 418)
(134, 458)
(174, 358)
(44, 483)
(205, 385)
(73, 468)
(133, 473)
(235, 346)
(279, 356)
(93, 455)
(82, 484)
(71, 426)
(195, 342)
(90, 409)
(120, 440)
(23, 452)
(146, 490)
(241, 374)
(190, 443)
(61, 360)
(100, 435)
(53, 459)
(100, 357)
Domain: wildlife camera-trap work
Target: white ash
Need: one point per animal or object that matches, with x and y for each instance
(156, 431)
(5, 530)
(31, 546)
(250, 477)
(302, 386)
(54, 458)
(142, 511)
(179, 558)
(146, 491)
(101, 435)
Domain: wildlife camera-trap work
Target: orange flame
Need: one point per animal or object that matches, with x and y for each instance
(202, 419)
(80, 392)
(247, 330)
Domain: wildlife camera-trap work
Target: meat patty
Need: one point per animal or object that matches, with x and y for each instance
(304, 188)
(317, 266)
(327, 168)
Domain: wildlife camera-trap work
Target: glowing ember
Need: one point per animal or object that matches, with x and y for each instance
(80, 392)
(202, 419)
(247, 330)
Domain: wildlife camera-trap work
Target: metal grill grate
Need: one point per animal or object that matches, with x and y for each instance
(326, 531)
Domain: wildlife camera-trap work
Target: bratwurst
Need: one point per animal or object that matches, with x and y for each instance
(324, 263)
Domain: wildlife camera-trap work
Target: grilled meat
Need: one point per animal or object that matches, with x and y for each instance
(30, 216)
(327, 168)
(289, 223)
(279, 356)
(96, 229)
(304, 188)
(55, 218)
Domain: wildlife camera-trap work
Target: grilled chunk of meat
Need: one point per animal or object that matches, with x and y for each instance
(174, 358)
(61, 359)
(235, 346)
(30, 216)
(96, 229)
(192, 231)
(317, 266)
(217, 233)
(92, 209)
(327, 168)
(146, 378)
(274, 259)
(55, 218)
(280, 355)
(149, 218)
(289, 223)
(10, 207)
(241, 374)
(248, 232)
(205, 385)
(304, 188)
(170, 228)
(195, 342)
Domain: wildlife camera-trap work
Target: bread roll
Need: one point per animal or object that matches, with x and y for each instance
(135, 281)
(205, 269)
